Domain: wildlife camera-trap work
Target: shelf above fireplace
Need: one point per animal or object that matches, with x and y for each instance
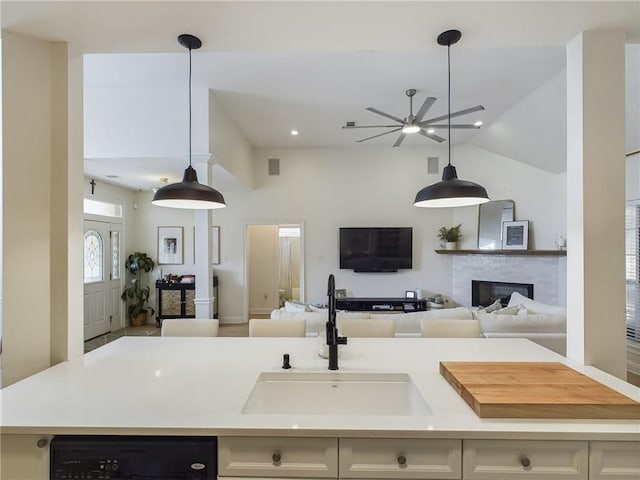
(528, 253)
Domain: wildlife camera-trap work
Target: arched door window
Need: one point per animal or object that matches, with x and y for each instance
(93, 257)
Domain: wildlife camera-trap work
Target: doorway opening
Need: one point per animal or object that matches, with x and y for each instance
(274, 266)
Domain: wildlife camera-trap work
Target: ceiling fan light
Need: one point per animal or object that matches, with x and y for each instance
(411, 129)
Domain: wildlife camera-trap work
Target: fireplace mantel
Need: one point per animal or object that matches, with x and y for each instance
(528, 253)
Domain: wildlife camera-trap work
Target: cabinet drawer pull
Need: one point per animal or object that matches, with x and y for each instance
(524, 461)
(402, 460)
(276, 457)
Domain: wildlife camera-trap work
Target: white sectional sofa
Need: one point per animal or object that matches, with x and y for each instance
(541, 323)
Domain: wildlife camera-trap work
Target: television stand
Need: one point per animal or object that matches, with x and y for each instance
(382, 304)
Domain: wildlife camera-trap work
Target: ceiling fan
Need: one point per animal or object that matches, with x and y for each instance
(415, 123)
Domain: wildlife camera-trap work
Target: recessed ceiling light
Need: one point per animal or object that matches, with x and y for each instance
(431, 130)
(478, 123)
(294, 132)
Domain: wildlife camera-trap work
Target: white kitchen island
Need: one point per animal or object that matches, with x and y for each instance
(198, 386)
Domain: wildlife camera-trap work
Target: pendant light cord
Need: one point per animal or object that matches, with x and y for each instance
(189, 106)
(449, 97)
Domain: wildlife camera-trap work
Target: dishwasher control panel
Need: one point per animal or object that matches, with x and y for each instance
(119, 457)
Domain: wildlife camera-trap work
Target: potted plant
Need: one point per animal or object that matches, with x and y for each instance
(450, 236)
(138, 263)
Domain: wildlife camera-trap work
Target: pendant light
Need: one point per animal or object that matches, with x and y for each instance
(189, 193)
(451, 191)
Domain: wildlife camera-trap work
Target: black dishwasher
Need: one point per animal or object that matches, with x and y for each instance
(133, 457)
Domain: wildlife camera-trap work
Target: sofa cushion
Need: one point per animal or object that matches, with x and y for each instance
(315, 320)
(537, 307)
(295, 307)
(533, 323)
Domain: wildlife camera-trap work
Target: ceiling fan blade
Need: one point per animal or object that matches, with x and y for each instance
(399, 139)
(431, 136)
(379, 135)
(467, 125)
(428, 103)
(459, 113)
(375, 110)
(346, 127)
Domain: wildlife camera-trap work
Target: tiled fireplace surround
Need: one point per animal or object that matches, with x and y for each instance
(548, 274)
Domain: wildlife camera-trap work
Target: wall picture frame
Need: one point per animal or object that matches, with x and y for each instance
(215, 245)
(409, 294)
(170, 246)
(515, 235)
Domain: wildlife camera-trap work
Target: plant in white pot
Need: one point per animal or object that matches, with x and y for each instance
(450, 236)
(139, 309)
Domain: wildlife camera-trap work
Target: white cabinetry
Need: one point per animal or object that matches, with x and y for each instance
(24, 457)
(400, 458)
(614, 460)
(531, 459)
(277, 457)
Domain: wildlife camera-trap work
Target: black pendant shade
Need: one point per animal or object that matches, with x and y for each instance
(450, 191)
(189, 193)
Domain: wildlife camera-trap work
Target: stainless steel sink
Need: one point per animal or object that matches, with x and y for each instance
(335, 393)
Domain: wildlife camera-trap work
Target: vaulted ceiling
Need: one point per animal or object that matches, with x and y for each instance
(313, 66)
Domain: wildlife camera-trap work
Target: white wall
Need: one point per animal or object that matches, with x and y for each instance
(144, 122)
(228, 145)
(363, 186)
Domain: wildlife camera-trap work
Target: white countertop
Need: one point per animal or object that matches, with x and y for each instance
(198, 386)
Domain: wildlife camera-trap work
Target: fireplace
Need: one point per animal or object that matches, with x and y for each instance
(484, 293)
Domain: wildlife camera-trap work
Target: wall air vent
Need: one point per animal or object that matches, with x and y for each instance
(274, 166)
(432, 165)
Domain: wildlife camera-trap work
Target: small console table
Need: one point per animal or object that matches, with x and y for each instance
(382, 304)
(177, 300)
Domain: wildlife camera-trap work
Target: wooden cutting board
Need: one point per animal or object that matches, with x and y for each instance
(535, 390)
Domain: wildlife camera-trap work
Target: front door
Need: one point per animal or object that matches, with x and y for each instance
(97, 279)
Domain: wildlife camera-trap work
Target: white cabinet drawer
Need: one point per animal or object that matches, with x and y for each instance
(277, 457)
(614, 460)
(400, 458)
(532, 459)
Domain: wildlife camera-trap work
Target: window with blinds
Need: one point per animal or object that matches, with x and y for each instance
(632, 257)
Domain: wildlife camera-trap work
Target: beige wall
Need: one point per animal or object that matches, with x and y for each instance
(30, 74)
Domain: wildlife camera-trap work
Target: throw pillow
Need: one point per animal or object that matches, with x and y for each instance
(507, 310)
(538, 307)
(493, 307)
(294, 307)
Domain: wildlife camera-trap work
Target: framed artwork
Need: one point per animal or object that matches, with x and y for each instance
(409, 294)
(215, 245)
(170, 246)
(341, 293)
(515, 235)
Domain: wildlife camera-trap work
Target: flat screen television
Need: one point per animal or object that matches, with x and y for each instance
(376, 249)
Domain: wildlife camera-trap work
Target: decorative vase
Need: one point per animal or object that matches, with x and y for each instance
(451, 245)
(139, 320)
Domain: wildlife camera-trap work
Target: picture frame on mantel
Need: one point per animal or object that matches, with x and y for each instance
(515, 235)
(170, 246)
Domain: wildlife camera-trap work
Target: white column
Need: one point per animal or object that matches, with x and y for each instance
(202, 219)
(595, 201)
